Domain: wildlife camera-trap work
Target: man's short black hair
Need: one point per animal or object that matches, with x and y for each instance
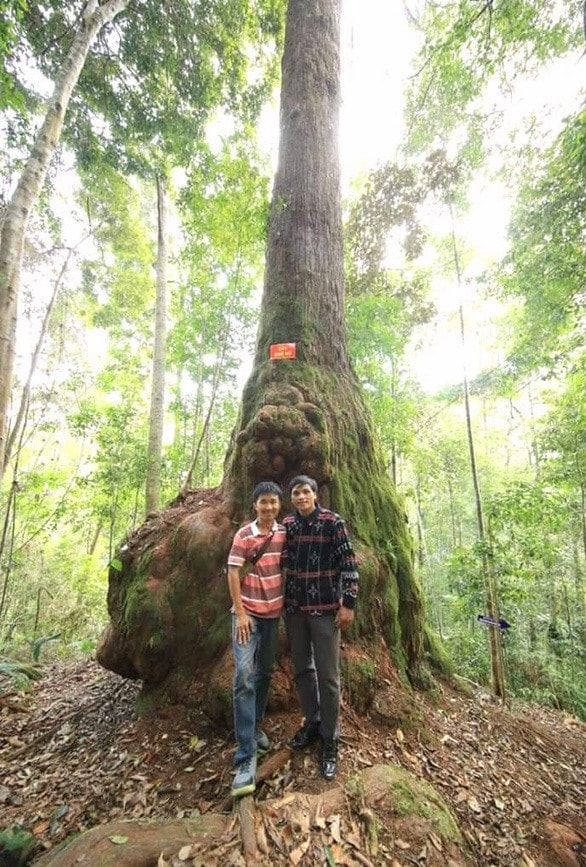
(303, 480)
(266, 488)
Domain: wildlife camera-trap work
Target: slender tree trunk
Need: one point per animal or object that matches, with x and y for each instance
(421, 547)
(157, 413)
(580, 595)
(6, 545)
(394, 440)
(583, 514)
(27, 193)
(95, 537)
(223, 348)
(496, 651)
(452, 513)
(534, 456)
(26, 392)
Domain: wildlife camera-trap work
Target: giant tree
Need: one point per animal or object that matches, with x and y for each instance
(167, 597)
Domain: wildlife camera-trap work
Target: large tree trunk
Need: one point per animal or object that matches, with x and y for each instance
(28, 189)
(299, 416)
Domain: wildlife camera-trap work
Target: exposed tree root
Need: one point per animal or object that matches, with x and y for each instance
(270, 765)
(135, 843)
(246, 813)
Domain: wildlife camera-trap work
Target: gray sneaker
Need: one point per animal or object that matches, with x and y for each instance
(245, 778)
(263, 744)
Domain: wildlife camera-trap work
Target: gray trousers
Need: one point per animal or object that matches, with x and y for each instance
(315, 652)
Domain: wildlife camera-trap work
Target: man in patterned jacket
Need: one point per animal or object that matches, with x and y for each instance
(321, 584)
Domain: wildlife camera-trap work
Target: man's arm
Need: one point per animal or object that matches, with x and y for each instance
(348, 566)
(243, 621)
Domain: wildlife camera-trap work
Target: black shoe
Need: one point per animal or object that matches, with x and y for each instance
(329, 759)
(308, 733)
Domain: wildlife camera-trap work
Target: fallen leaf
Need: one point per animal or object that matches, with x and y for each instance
(334, 823)
(474, 805)
(437, 842)
(354, 840)
(297, 854)
(261, 839)
(118, 839)
(184, 853)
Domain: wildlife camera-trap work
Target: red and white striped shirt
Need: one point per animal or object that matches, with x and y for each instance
(262, 587)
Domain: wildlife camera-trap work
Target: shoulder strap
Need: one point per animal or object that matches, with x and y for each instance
(261, 548)
(256, 555)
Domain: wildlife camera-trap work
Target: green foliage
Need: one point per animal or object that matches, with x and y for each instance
(37, 644)
(11, 15)
(157, 73)
(468, 46)
(18, 674)
(546, 265)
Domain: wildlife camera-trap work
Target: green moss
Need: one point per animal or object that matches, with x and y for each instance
(157, 639)
(358, 678)
(413, 797)
(141, 606)
(354, 786)
(436, 653)
(16, 846)
(167, 692)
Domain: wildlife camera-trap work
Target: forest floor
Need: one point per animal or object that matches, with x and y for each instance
(73, 755)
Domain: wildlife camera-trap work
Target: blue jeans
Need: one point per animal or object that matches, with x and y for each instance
(254, 663)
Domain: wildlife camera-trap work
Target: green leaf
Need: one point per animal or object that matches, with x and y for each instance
(329, 856)
(116, 564)
(118, 839)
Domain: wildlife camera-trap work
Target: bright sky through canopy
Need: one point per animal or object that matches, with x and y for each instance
(377, 46)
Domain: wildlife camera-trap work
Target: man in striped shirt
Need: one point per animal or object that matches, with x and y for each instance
(256, 590)
(321, 584)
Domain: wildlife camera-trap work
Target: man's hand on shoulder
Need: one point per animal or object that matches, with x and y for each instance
(344, 617)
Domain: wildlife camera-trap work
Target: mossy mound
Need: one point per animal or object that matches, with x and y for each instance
(16, 846)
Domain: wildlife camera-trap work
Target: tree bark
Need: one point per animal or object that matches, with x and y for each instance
(27, 193)
(157, 411)
(168, 604)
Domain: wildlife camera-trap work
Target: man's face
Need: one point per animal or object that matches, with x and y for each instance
(267, 508)
(303, 499)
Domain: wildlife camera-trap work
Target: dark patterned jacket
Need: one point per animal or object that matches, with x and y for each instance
(319, 563)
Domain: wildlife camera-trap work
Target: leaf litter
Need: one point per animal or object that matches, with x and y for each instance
(74, 756)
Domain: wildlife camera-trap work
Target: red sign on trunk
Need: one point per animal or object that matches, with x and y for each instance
(277, 351)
